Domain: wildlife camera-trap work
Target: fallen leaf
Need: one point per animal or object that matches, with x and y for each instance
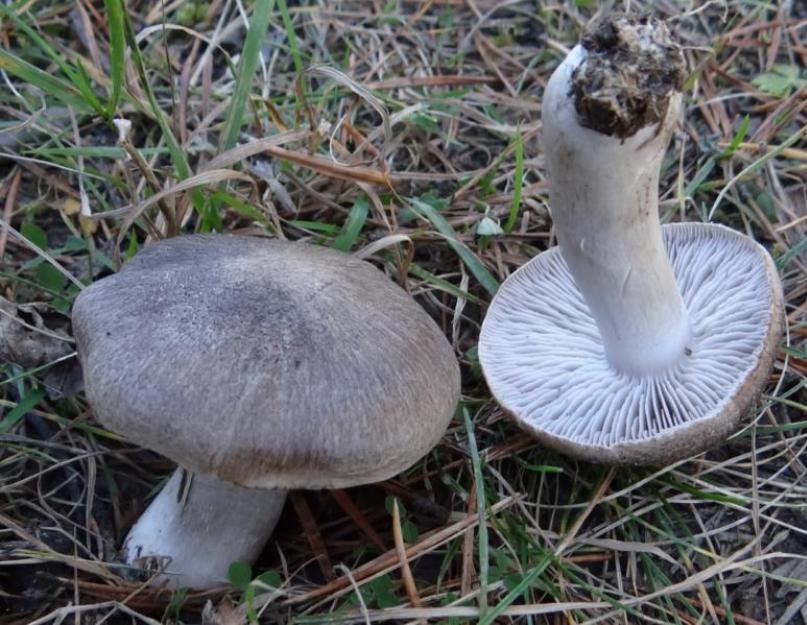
(71, 206)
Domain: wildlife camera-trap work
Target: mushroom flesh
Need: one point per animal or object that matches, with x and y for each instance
(631, 342)
(258, 366)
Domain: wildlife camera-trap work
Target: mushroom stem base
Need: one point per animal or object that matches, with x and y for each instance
(193, 537)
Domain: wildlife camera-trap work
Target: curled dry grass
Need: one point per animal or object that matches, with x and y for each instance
(418, 148)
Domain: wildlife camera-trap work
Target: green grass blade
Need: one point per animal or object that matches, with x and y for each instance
(518, 183)
(474, 265)
(355, 222)
(117, 49)
(792, 140)
(794, 252)
(258, 25)
(315, 226)
(177, 154)
(35, 39)
(77, 75)
(731, 148)
(701, 494)
(724, 601)
(700, 177)
(52, 86)
(481, 507)
(244, 208)
(289, 27)
(33, 371)
(83, 83)
(518, 591)
(31, 399)
(443, 285)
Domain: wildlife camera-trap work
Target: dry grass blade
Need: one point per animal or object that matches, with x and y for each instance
(209, 177)
(59, 615)
(245, 150)
(383, 243)
(8, 206)
(322, 165)
(432, 81)
(415, 144)
(360, 90)
(400, 548)
(96, 568)
(390, 560)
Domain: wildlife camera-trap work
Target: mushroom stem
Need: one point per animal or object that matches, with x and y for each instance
(608, 115)
(194, 541)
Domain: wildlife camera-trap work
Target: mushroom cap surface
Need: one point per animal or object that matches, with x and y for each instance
(545, 363)
(265, 363)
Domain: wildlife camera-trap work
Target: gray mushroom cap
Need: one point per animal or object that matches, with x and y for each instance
(265, 363)
(545, 362)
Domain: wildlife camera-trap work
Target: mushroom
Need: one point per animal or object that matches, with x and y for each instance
(631, 342)
(258, 366)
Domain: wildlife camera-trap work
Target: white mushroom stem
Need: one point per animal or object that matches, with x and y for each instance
(195, 540)
(603, 197)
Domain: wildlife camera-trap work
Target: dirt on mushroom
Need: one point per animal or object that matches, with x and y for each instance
(625, 84)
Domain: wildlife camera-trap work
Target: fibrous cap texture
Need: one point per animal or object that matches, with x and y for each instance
(265, 363)
(545, 363)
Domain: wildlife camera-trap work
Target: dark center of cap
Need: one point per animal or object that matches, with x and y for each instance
(631, 70)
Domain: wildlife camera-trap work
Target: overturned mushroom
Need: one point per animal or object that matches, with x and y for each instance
(258, 366)
(631, 342)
